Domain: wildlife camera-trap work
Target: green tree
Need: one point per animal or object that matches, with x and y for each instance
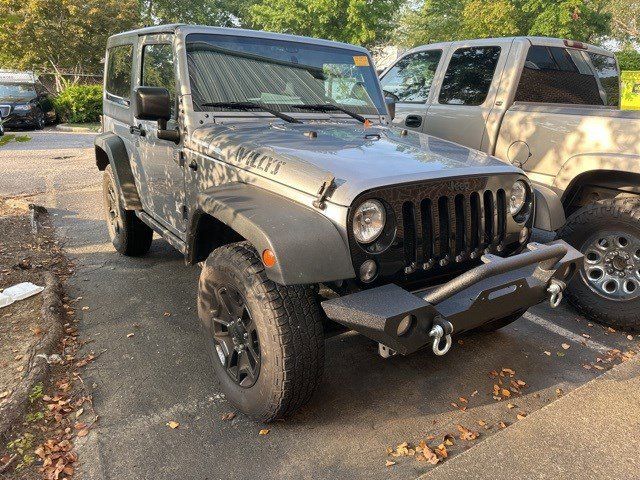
(629, 60)
(61, 34)
(445, 20)
(355, 21)
(625, 20)
(221, 13)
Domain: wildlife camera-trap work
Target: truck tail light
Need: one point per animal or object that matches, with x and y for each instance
(574, 44)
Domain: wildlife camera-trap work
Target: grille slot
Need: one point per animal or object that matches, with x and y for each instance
(5, 110)
(409, 225)
(452, 228)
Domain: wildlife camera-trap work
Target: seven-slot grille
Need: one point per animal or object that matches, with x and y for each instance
(5, 110)
(451, 228)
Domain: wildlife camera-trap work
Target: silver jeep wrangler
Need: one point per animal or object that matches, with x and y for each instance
(270, 159)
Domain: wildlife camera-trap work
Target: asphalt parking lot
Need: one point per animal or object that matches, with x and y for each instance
(365, 403)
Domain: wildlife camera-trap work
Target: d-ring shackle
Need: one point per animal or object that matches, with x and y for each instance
(441, 328)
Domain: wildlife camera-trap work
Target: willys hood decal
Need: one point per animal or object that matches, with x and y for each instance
(305, 155)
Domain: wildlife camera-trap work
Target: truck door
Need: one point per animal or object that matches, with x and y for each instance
(462, 105)
(162, 176)
(410, 79)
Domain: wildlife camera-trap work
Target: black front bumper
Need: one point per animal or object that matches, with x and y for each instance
(492, 291)
(21, 119)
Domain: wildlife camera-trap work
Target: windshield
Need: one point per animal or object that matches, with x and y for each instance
(17, 92)
(280, 74)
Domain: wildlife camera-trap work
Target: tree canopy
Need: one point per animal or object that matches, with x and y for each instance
(66, 35)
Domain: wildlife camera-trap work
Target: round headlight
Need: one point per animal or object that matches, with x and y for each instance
(368, 221)
(518, 197)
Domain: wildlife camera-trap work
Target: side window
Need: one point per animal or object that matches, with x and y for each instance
(410, 79)
(119, 64)
(469, 76)
(568, 76)
(157, 69)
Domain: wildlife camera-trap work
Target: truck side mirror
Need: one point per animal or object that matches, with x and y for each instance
(154, 104)
(390, 101)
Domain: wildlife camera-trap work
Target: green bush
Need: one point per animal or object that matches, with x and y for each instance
(80, 104)
(628, 60)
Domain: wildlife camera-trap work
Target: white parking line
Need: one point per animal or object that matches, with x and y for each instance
(568, 334)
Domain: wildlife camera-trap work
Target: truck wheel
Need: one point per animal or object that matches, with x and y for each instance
(500, 323)
(265, 340)
(129, 235)
(607, 289)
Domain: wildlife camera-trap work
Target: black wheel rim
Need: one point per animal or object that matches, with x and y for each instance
(235, 337)
(113, 210)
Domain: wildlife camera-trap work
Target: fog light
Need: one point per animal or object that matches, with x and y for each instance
(524, 235)
(405, 325)
(368, 271)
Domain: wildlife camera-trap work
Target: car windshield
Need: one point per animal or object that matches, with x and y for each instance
(283, 75)
(17, 92)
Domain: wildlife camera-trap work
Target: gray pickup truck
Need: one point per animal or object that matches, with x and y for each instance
(551, 107)
(269, 159)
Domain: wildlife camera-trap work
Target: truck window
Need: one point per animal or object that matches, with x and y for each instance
(119, 63)
(568, 76)
(410, 79)
(157, 69)
(469, 76)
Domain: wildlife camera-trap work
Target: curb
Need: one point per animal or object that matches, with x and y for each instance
(51, 312)
(63, 127)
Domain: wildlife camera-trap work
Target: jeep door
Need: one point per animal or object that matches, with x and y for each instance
(161, 176)
(410, 79)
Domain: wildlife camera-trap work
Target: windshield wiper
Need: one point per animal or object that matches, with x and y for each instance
(330, 107)
(252, 106)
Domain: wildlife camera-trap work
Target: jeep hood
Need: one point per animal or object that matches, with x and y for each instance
(303, 156)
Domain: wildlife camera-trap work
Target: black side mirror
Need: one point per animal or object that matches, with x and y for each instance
(154, 103)
(390, 100)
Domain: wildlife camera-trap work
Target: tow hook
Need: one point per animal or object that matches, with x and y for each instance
(441, 328)
(555, 292)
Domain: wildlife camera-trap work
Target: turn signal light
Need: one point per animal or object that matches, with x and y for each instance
(268, 258)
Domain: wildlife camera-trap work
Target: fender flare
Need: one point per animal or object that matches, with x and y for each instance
(110, 150)
(307, 245)
(549, 211)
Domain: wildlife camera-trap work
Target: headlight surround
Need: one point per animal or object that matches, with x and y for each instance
(22, 108)
(369, 220)
(518, 197)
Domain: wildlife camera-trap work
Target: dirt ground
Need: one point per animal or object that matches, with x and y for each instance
(25, 256)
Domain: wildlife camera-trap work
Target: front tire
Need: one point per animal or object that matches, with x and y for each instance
(128, 234)
(265, 340)
(607, 287)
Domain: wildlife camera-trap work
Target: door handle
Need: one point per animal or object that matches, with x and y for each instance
(413, 121)
(133, 130)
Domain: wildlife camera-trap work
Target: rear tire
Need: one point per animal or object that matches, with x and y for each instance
(128, 234)
(606, 289)
(277, 368)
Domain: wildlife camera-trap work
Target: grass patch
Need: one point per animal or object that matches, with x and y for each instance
(13, 137)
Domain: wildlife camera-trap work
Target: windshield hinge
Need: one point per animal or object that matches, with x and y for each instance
(323, 193)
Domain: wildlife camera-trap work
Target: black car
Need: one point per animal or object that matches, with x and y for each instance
(25, 105)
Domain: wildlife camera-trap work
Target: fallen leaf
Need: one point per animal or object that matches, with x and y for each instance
(173, 425)
(430, 456)
(228, 416)
(502, 425)
(85, 308)
(5, 394)
(463, 400)
(510, 406)
(521, 383)
(389, 463)
(442, 450)
(566, 346)
(79, 412)
(482, 423)
(264, 431)
(466, 434)
(586, 366)
(629, 337)
(548, 354)
(611, 330)
(83, 433)
(166, 314)
(36, 330)
(129, 335)
(475, 392)
(508, 371)
(521, 415)
(448, 440)
(505, 393)
(559, 392)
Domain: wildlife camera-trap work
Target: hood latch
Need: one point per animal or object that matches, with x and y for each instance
(323, 193)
